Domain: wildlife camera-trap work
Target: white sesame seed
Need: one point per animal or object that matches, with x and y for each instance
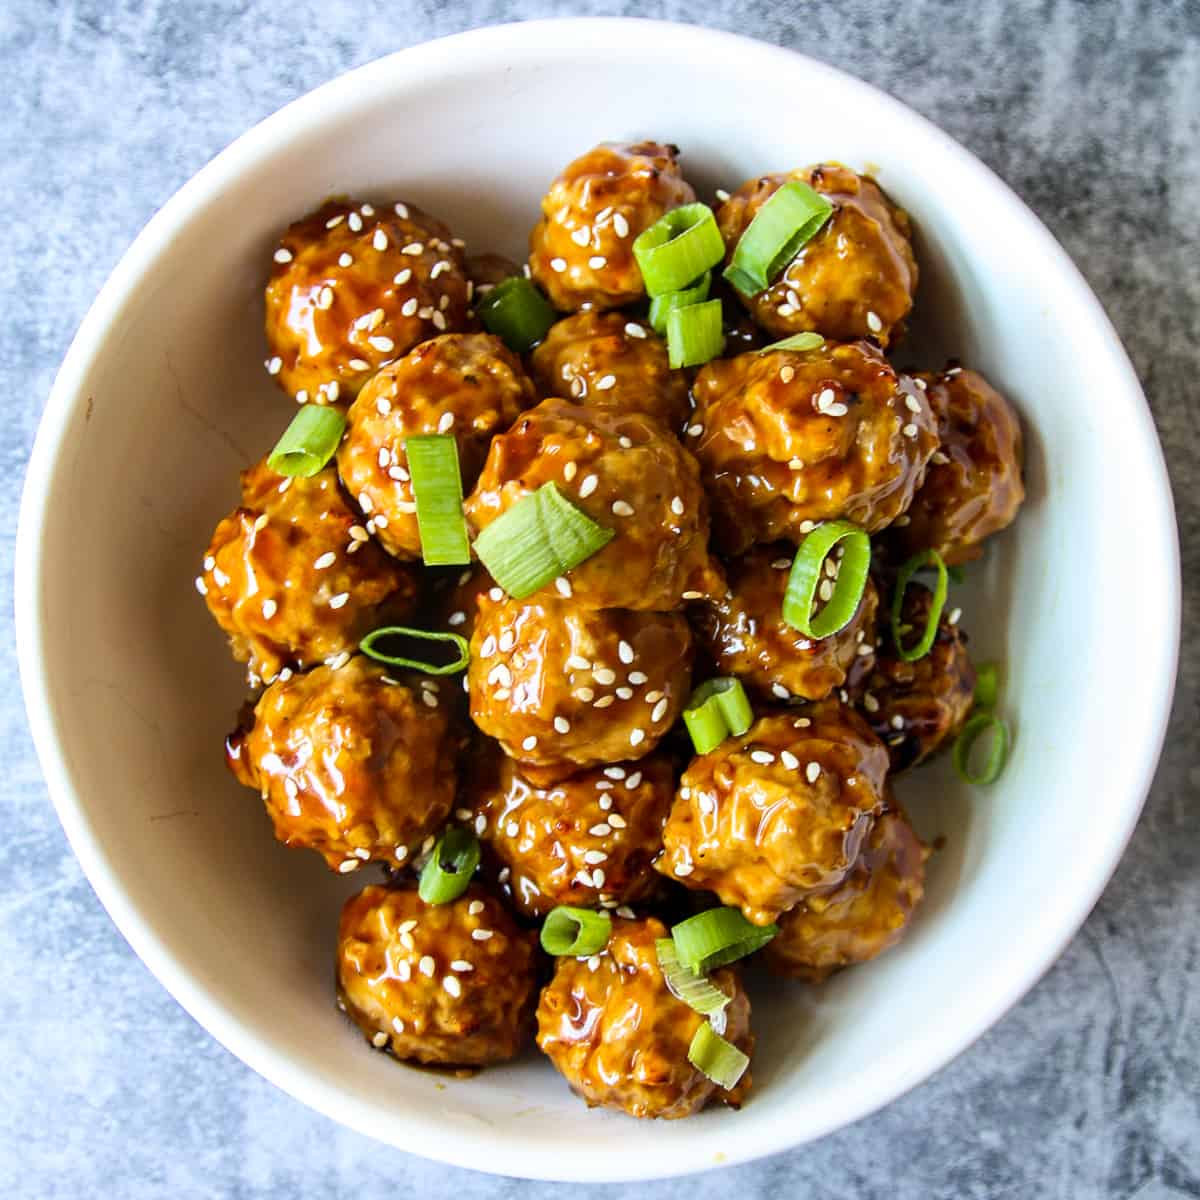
(345, 259)
(283, 255)
(462, 814)
(500, 674)
(826, 398)
(576, 663)
(269, 609)
(812, 772)
(637, 737)
(359, 364)
(604, 702)
(530, 743)
(897, 722)
(201, 586)
(338, 600)
(404, 506)
(558, 264)
(606, 383)
(563, 586)
(787, 374)
(333, 222)
(456, 618)
(616, 820)
(413, 248)
(403, 971)
(789, 760)
(785, 310)
(483, 935)
(384, 345)
(912, 404)
(475, 907)
(274, 365)
(659, 711)
(439, 319)
(402, 277)
(621, 509)
(695, 430)
(355, 222)
(633, 782)
(379, 1040)
(620, 226)
(429, 700)
(604, 676)
(874, 324)
(955, 616)
(585, 694)
(406, 940)
(445, 422)
(351, 864)
(426, 312)
(461, 965)
(496, 594)
(452, 986)
(562, 725)
(683, 869)
(940, 458)
(764, 757)
(402, 211)
(597, 261)
(624, 693)
(625, 651)
(605, 802)
(508, 640)
(635, 330)
(825, 591)
(488, 648)
(603, 829)
(593, 857)
(615, 772)
(325, 297)
(588, 486)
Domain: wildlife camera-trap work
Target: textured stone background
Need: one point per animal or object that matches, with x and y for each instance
(1091, 1087)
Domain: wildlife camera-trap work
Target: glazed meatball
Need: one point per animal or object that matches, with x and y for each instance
(468, 384)
(629, 475)
(790, 438)
(781, 812)
(854, 279)
(352, 763)
(354, 287)
(585, 841)
(449, 983)
(916, 707)
(973, 486)
(620, 1038)
(581, 251)
(605, 360)
(293, 577)
(744, 632)
(562, 687)
(867, 913)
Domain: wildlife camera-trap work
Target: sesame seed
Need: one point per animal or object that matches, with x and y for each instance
(338, 661)
(874, 324)
(429, 700)
(383, 406)
(500, 674)
(462, 814)
(201, 586)
(283, 255)
(578, 664)
(826, 398)
(530, 743)
(413, 248)
(912, 404)
(695, 430)
(625, 651)
(355, 222)
(274, 365)
(384, 345)
(621, 509)
(398, 1024)
(563, 587)
(351, 864)
(955, 616)
(325, 297)
(445, 422)
(461, 965)
(456, 618)
(789, 760)
(637, 737)
(620, 226)
(807, 526)
(624, 693)
(439, 320)
(940, 459)
(405, 506)
(635, 330)
(606, 383)
(569, 471)
(402, 277)
(359, 364)
(402, 211)
(403, 971)
(483, 935)
(763, 757)
(659, 711)
(601, 830)
(597, 261)
(379, 1040)
(345, 260)
(335, 221)
(693, 596)
(865, 650)
(604, 676)
(581, 236)
(722, 195)
(406, 940)
(558, 264)
(634, 781)
(593, 857)
(269, 609)
(338, 600)
(812, 772)
(682, 869)
(616, 820)
(826, 590)
(585, 694)
(897, 722)
(605, 702)
(488, 648)
(605, 803)
(452, 986)
(785, 310)
(496, 594)
(910, 430)
(593, 963)
(508, 640)
(795, 464)
(562, 725)
(475, 907)
(425, 312)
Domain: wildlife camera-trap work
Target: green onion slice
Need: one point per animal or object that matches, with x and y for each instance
(714, 1057)
(987, 685)
(695, 990)
(678, 248)
(922, 647)
(694, 334)
(789, 218)
(717, 709)
(308, 442)
(575, 932)
(448, 872)
(716, 937)
(370, 647)
(540, 538)
(517, 313)
(437, 489)
(798, 341)
(808, 570)
(661, 306)
(997, 754)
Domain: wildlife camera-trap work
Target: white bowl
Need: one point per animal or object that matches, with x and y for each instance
(162, 399)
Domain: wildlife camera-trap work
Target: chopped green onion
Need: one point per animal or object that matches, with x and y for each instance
(716, 937)
(910, 568)
(997, 754)
(678, 248)
(437, 489)
(715, 1058)
(789, 218)
(661, 306)
(695, 990)
(448, 872)
(308, 442)
(575, 932)
(540, 538)
(370, 647)
(808, 570)
(717, 709)
(798, 341)
(694, 334)
(517, 313)
(987, 685)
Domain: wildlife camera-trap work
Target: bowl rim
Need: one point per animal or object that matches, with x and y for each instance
(417, 1135)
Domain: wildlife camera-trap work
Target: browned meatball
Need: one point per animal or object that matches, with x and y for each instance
(629, 475)
(585, 841)
(781, 812)
(620, 1038)
(438, 983)
(354, 287)
(467, 384)
(581, 251)
(854, 279)
(293, 577)
(352, 763)
(562, 687)
(867, 913)
(791, 438)
(973, 486)
(916, 707)
(745, 634)
(606, 360)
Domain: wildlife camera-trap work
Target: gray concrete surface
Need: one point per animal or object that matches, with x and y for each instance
(1090, 1087)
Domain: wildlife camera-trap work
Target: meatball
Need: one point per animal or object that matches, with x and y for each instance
(620, 1038)
(790, 438)
(468, 384)
(561, 687)
(438, 983)
(629, 475)
(916, 707)
(581, 251)
(973, 486)
(354, 287)
(352, 763)
(486, 270)
(294, 579)
(744, 632)
(854, 279)
(769, 818)
(605, 360)
(866, 914)
(585, 841)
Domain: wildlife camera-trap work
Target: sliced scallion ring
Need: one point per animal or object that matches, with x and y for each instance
(437, 489)
(448, 872)
(678, 248)
(808, 570)
(717, 709)
(308, 442)
(695, 990)
(716, 937)
(923, 645)
(789, 218)
(694, 334)
(370, 646)
(798, 341)
(715, 1058)
(517, 313)
(997, 754)
(661, 306)
(987, 685)
(575, 932)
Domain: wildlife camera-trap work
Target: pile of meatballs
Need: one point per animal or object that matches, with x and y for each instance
(561, 748)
